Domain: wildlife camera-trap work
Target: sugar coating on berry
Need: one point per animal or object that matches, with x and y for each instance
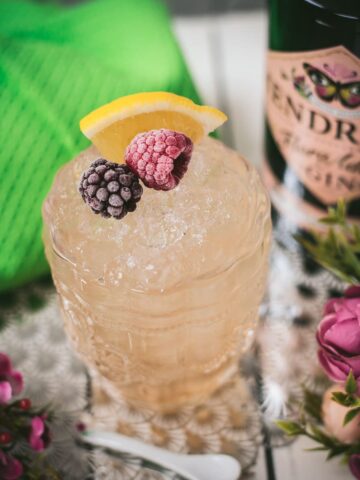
(159, 157)
(110, 189)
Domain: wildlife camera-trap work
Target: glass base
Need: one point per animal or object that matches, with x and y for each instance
(227, 422)
(172, 396)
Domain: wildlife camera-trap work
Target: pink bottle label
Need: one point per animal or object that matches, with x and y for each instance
(313, 109)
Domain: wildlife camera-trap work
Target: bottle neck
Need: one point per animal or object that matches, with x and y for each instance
(342, 8)
(304, 25)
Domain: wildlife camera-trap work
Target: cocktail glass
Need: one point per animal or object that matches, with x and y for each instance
(162, 303)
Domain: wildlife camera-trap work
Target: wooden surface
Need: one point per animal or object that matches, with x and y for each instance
(226, 55)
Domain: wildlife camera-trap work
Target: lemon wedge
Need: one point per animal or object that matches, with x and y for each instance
(112, 126)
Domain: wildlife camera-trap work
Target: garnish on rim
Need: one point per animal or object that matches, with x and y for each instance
(154, 133)
(110, 189)
(159, 157)
(113, 126)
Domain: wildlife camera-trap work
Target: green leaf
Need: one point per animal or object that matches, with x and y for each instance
(316, 449)
(336, 215)
(312, 405)
(337, 450)
(321, 437)
(329, 220)
(342, 398)
(341, 209)
(351, 414)
(290, 427)
(356, 233)
(351, 385)
(339, 250)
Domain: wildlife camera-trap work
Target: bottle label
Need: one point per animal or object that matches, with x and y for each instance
(313, 110)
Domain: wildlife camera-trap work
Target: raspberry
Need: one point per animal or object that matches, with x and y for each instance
(110, 189)
(159, 157)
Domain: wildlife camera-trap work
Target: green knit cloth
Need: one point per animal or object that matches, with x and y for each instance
(56, 65)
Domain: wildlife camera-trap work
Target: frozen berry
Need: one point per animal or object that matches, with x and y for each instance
(23, 404)
(5, 438)
(110, 189)
(159, 157)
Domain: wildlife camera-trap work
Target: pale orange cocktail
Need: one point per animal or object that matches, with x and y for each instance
(162, 302)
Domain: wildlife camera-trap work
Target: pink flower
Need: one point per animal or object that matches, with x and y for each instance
(354, 464)
(39, 434)
(338, 336)
(10, 467)
(11, 381)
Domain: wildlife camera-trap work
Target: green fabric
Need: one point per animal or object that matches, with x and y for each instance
(56, 65)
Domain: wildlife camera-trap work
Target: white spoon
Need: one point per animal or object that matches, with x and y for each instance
(191, 467)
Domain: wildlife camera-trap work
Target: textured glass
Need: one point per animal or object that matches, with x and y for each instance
(162, 302)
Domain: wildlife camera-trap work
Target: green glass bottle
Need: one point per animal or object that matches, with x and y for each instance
(314, 100)
(312, 139)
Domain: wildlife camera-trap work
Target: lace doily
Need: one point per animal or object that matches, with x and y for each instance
(32, 335)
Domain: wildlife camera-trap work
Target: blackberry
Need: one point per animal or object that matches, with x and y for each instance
(110, 189)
